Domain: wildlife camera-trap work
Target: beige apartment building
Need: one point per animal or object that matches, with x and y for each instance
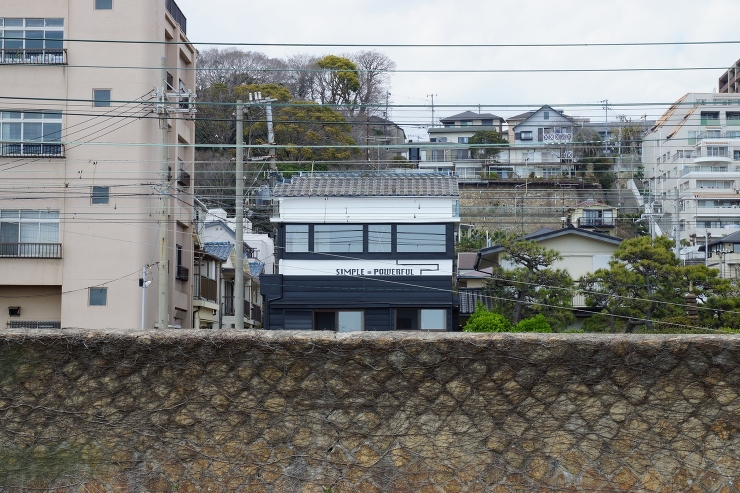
(81, 151)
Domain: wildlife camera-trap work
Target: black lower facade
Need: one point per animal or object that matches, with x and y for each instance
(345, 303)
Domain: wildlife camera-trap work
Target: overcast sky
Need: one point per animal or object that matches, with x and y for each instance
(342, 22)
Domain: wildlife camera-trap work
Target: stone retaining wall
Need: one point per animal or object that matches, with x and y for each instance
(180, 411)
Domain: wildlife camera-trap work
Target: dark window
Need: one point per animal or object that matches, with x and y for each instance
(546, 115)
(337, 238)
(379, 238)
(296, 238)
(487, 122)
(424, 319)
(526, 135)
(100, 195)
(101, 97)
(421, 238)
(103, 4)
(98, 296)
(14, 311)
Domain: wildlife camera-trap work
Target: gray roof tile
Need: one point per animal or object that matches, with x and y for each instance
(370, 185)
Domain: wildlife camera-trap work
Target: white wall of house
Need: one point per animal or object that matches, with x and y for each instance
(367, 209)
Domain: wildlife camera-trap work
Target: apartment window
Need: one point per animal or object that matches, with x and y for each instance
(338, 238)
(546, 115)
(441, 139)
(420, 319)
(488, 123)
(733, 116)
(31, 133)
(716, 151)
(100, 195)
(103, 4)
(296, 238)
(379, 238)
(421, 238)
(101, 98)
(29, 233)
(526, 135)
(466, 123)
(463, 140)
(710, 117)
(338, 321)
(98, 296)
(32, 41)
(713, 184)
(736, 155)
(462, 154)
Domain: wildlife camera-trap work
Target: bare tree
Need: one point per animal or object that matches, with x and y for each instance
(300, 79)
(233, 67)
(374, 70)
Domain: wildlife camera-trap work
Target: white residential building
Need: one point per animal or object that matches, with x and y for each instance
(691, 158)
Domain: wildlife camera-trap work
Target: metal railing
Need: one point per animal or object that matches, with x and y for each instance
(34, 324)
(177, 14)
(555, 138)
(14, 149)
(33, 57)
(182, 273)
(595, 221)
(31, 250)
(256, 313)
(206, 288)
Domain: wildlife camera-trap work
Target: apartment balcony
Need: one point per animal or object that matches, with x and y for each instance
(554, 138)
(205, 288)
(183, 178)
(182, 273)
(31, 250)
(712, 159)
(29, 149)
(709, 170)
(256, 313)
(596, 222)
(177, 14)
(33, 57)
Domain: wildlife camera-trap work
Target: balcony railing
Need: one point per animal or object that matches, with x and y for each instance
(34, 324)
(256, 313)
(15, 149)
(182, 273)
(31, 250)
(554, 138)
(206, 288)
(177, 14)
(590, 222)
(33, 57)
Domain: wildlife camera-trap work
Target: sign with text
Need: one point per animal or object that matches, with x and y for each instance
(366, 268)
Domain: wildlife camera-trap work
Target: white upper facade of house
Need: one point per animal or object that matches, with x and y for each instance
(691, 158)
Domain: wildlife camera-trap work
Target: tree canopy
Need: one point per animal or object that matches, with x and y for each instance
(483, 144)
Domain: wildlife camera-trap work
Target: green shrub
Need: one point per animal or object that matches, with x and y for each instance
(538, 323)
(484, 321)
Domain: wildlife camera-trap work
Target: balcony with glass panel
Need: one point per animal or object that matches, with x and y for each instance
(32, 41)
(26, 133)
(29, 234)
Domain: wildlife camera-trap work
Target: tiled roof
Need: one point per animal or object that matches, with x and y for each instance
(255, 267)
(370, 185)
(470, 115)
(221, 249)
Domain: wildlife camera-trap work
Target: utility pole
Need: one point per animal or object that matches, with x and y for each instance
(678, 225)
(606, 125)
(164, 194)
(163, 108)
(239, 220)
(432, 96)
(256, 99)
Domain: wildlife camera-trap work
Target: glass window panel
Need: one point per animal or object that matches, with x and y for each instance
(421, 238)
(55, 22)
(407, 319)
(101, 97)
(14, 22)
(10, 214)
(29, 214)
(32, 131)
(29, 232)
(14, 115)
(53, 40)
(52, 132)
(34, 22)
(12, 131)
(98, 296)
(103, 4)
(379, 238)
(49, 214)
(433, 320)
(51, 115)
(296, 238)
(16, 43)
(49, 233)
(34, 40)
(2, 21)
(349, 321)
(9, 232)
(337, 238)
(32, 115)
(100, 195)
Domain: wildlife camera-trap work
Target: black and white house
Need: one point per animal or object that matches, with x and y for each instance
(364, 251)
